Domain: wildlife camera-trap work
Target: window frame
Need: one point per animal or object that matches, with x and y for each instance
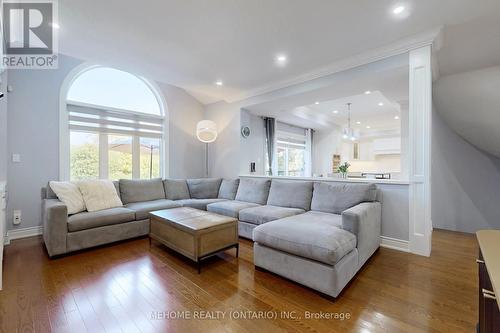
(64, 128)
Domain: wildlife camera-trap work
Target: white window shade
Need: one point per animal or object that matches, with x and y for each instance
(94, 118)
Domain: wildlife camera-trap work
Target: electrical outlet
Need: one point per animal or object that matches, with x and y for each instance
(17, 217)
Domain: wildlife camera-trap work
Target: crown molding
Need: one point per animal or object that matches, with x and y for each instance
(432, 37)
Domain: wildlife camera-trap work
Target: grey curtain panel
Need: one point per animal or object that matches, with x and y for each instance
(270, 124)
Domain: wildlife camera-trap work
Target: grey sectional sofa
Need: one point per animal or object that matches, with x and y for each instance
(316, 233)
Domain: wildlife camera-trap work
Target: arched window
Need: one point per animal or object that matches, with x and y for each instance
(116, 126)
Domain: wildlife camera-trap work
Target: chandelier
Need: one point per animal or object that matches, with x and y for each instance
(348, 132)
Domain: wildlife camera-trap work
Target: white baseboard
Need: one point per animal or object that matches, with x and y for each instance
(22, 233)
(395, 244)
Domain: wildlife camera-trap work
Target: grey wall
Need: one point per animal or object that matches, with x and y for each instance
(252, 147)
(465, 183)
(225, 153)
(186, 153)
(33, 132)
(3, 127)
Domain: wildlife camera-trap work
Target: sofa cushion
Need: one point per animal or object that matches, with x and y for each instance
(101, 218)
(176, 189)
(142, 209)
(70, 195)
(229, 208)
(335, 198)
(204, 188)
(99, 194)
(253, 190)
(228, 189)
(139, 190)
(197, 203)
(290, 193)
(263, 214)
(306, 237)
(332, 219)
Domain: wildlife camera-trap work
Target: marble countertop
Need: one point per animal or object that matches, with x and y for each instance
(341, 180)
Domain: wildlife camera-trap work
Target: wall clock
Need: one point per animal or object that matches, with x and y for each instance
(245, 131)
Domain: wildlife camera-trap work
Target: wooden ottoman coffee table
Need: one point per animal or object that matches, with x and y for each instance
(194, 233)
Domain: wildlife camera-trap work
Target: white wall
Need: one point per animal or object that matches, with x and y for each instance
(33, 132)
(465, 183)
(325, 144)
(253, 147)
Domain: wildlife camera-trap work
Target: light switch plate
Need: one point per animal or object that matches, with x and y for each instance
(16, 158)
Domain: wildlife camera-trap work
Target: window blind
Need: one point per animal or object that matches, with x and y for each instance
(92, 118)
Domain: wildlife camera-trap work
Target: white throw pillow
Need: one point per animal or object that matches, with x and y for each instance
(99, 194)
(70, 195)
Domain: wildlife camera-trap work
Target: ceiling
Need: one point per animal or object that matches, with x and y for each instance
(192, 44)
(388, 86)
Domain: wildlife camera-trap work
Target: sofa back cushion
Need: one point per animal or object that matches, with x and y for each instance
(336, 197)
(228, 189)
(138, 190)
(253, 190)
(290, 193)
(176, 189)
(48, 193)
(204, 188)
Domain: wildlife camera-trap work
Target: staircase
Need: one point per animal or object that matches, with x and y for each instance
(470, 104)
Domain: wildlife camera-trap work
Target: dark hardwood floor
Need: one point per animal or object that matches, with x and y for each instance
(122, 287)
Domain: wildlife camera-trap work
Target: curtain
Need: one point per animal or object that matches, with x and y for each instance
(270, 125)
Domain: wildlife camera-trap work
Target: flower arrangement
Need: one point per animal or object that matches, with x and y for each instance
(344, 168)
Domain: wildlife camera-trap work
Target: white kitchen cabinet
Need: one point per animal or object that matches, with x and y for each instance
(387, 146)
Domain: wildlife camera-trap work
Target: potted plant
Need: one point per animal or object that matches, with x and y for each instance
(343, 169)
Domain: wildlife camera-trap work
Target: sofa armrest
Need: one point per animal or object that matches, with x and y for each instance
(55, 226)
(364, 220)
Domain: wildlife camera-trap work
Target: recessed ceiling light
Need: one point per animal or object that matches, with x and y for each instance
(358, 122)
(54, 25)
(316, 103)
(368, 92)
(380, 104)
(281, 60)
(335, 111)
(368, 127)
(219, 83)
(396, 117)
(398, 10)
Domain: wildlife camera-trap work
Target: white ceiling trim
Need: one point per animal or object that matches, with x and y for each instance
(432, 37)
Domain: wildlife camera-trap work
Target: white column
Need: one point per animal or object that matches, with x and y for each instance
(420, 150)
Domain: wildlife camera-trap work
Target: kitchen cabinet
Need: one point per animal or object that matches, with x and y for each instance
(387, 146)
